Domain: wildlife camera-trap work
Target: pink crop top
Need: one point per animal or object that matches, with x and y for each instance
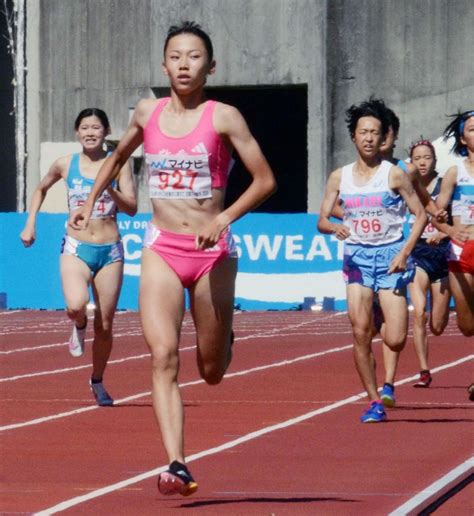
(189, 166)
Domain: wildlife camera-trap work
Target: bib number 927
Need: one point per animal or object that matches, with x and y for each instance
(178, 180)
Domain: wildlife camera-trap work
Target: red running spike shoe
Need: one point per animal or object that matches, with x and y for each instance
(176, 480)
(424, 381)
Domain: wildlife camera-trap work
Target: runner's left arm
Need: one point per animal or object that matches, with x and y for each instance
(439, 214)
(125, 196)
(400, 182)
(230, 124)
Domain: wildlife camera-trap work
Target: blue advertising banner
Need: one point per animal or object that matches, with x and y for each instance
(282, 260)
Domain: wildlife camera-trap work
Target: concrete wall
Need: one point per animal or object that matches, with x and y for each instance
(109, 54)
(413, 53)
(7, 119)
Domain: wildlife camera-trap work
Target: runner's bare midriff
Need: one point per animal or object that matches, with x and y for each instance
(98, 231)
(187, 215)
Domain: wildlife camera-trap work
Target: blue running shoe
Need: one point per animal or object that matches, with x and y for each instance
(101, 396)
(374, 414)
(388, 395)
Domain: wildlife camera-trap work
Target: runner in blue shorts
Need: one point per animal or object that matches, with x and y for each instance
(374, 195)
(439, 217)
(391, 357)
(430, 256)
(92, 257)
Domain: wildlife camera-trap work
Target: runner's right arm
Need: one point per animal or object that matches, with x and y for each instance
(327, 207)
(55, 173)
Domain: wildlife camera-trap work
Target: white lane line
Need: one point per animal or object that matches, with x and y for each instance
(128, 399)
(187, 325)
(437, 369)
(437, 489)
(262, 334)
(205, 453)
(36, 348)
(187, 384)
(66, 504)
(69, 369)
(78, 368)
(59, 344)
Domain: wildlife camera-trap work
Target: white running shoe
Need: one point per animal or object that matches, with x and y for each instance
(76, 341)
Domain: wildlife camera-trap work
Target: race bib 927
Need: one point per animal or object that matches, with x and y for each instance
(179, 176)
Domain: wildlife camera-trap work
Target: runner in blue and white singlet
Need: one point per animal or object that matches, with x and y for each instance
(458, 184)
(374, 195)
(92, 256)
(458, 187)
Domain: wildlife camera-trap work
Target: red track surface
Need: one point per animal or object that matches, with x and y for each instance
(289, 364)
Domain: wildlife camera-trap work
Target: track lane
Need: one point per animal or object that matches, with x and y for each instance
(79, 460)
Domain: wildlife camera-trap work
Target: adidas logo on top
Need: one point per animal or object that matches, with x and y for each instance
(200, 148)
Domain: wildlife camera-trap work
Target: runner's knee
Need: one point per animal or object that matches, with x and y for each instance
(211, 369)
(212, 374)
(362, 332)
(164, 360)
(75, 311)
(437, 327)
(102, 333)
(466, 328)
(396, 344)
(102, 326)
(419, 317)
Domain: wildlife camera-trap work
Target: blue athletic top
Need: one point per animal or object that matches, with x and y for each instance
(79, 187)
(429, 228)
(402, 164)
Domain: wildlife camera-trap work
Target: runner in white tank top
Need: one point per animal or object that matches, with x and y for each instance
(439, 217)
(376, 257)
(373, 211)
(458, 185)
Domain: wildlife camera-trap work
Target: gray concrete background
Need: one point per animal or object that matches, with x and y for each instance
(416, 54)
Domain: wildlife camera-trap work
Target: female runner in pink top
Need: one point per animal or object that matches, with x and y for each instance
(188, 143)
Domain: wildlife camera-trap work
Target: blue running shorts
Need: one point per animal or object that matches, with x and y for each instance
(95, 256)
(432, 259)
(368, 266)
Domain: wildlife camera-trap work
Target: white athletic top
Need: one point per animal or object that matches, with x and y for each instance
(374, 212)
(463, 195)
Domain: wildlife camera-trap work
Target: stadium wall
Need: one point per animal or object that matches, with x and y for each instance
(413, 53)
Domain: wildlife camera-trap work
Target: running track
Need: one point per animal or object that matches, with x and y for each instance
(279, 436)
